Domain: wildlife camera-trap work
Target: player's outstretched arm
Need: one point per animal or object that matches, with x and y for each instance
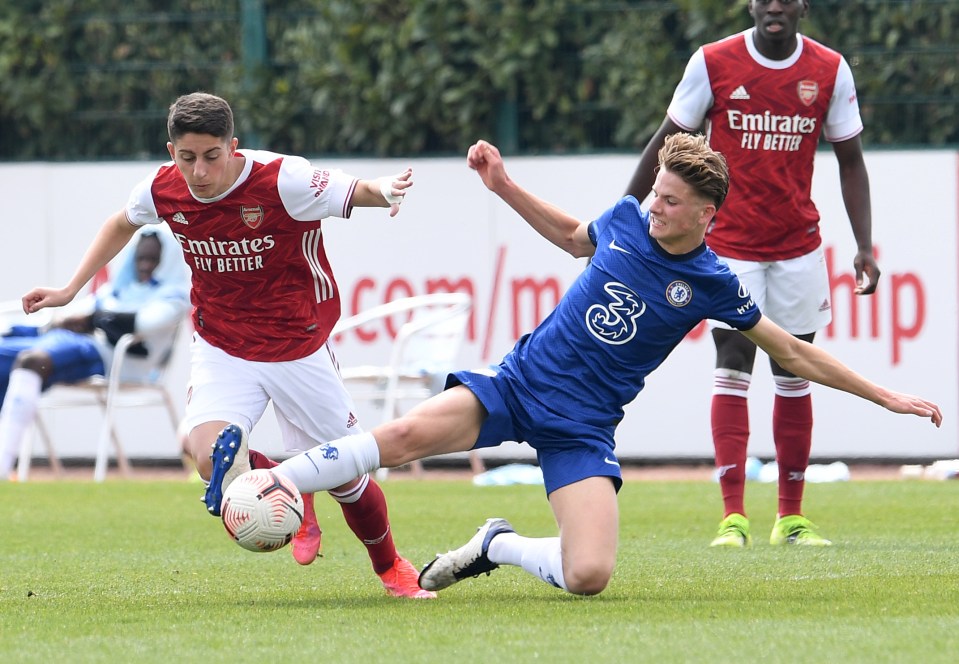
(113, 235)
(811, 362)
(556, 225)
(387, 191)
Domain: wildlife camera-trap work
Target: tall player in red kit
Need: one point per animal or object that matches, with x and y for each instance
(765, 96)
(249, 223)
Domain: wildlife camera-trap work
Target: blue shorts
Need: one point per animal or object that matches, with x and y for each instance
(74, 356)
(568, 451)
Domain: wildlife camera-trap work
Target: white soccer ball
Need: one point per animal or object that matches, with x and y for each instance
(261, 510)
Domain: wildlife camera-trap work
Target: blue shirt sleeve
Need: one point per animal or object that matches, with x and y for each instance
(591, 231)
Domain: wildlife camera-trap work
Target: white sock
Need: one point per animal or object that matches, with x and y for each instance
(352, 495)
(540, 556)
(792, 386)
(19, 409)
(731, 382)
(332, 464)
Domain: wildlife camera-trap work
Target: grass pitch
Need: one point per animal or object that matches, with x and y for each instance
(138, 572)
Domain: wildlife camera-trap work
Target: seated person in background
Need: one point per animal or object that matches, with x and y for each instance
(148, 296)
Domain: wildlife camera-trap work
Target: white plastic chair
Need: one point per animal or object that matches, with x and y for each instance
(108, 394)
(427, 343)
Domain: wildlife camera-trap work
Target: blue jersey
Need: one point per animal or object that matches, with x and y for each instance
(621, 318)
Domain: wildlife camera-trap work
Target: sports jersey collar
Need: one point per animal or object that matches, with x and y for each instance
(748, 35)
(244, 174)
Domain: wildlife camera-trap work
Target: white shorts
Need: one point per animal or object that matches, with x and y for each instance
(311, 404)
(792, 293)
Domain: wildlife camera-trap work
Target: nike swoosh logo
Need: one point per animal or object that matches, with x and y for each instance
(610, 461)
(616, 247)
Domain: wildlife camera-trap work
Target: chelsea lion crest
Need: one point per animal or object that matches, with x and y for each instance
(679, 294)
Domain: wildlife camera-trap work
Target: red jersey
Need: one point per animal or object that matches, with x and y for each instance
(766, 116)
(262, 285)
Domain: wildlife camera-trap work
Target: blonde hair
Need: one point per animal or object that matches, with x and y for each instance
(698, 165)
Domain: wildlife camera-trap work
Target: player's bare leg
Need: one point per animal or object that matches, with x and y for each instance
(197, 446)
(588, 519)
(446, 423)
(229, 458)
(580, 560)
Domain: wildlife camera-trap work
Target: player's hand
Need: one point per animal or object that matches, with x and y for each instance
(485, 159)
(41, 298)
(867, 273)
(908, 404)
(393, 188)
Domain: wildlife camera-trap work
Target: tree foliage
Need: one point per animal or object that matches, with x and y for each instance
(93, 78)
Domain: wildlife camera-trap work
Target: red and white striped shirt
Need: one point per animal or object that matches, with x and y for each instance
(766, 116)
(263, 288)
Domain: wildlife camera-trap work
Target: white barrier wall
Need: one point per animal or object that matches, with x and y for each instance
(451, 232)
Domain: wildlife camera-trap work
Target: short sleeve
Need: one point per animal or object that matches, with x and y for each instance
(310, 193)
(591, 232)
(598, 226)
(735, 305)
(843, 120)
(140, 209)
(693, 96)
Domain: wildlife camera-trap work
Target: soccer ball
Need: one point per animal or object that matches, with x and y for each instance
(262, 510)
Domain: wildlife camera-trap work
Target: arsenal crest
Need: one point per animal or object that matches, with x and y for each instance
(808, 91)
(252, 216)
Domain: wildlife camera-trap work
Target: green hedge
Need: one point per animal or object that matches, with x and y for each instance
(93, 78)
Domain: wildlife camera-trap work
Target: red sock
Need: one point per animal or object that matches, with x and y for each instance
(259, 460)
(792, 432)
(367, 517)
(309, 512)
(730, 424)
